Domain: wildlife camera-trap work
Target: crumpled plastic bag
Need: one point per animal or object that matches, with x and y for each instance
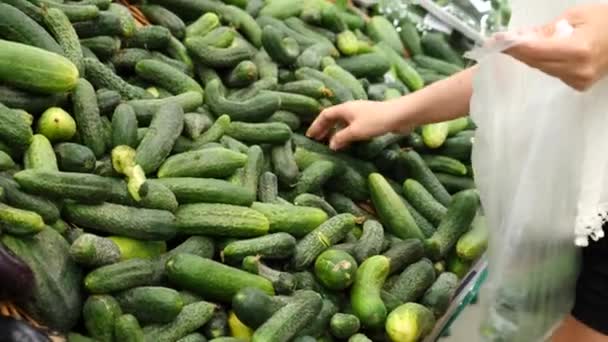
(540, 157)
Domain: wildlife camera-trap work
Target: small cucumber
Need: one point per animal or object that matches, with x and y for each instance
(102, 76)
(259, 133)
(158, 142)
(255, 109)
(335, 269)
(284, 324)
(283, 50)
(254, 307)
(20, 222)
(197, 190)
(474, 243)
(344, 325)
(445, 164)
(272, 246)
(314, 177)
(151, 304)
(93, 250)
(151, 37)
(124, 126)
(420, 171)
(295, 220)
(123, 275)
(457, 221)
(320, 239)
(166, 76)
(99, 314)
(423, 201)
(437, 297)
(87, 116)
(212, 279)
(404, 253)
(365, 293)
(410, 322)
(370, 243)
(310, 200)
(282, 282)
(203, 25)
(434, 135)
(127, 329)
(40, 155)
(414, 281)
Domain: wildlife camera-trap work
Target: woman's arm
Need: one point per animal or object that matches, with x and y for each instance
(441, 101)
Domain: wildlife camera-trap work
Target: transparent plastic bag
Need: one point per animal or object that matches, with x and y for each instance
(540, 158)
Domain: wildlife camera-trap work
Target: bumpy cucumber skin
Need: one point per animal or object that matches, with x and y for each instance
(457, 221)
(365, 293)
(370, 243)
(166, 76)
(215, 162)
(151, 304)
(423, 201)
(272, 246)
(127, 329)
(414, 281)
(99, 313)
(221, 220)
(404, 253)
(166, 127)
(335, 269)
(420, 172)
(437, 297)
(103, 77)
(159, 15)
(320, 239)
(410, 322)
(196, 190)
(290, 319)
(88, 120)
(251, 110)
(124, 126)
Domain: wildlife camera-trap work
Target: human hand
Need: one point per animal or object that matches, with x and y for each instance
(580, 59)
(362, 120)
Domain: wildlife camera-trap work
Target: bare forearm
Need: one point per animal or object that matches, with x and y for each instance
(444, 100)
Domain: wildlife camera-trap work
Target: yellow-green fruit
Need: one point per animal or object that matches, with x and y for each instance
(57, 125)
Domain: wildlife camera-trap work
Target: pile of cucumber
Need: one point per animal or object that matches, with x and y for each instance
(157, 181)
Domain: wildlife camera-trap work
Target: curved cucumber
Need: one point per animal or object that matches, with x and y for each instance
(365, 293)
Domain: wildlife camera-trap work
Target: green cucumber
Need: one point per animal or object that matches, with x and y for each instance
(268, 188)
(436, 45)
(122, 276)
(381, 30)
(60, 27)
(434, 135)
(106, 23)
(212, 279)
(151, 304)
(404, 253)
(126, 59)
(159, 15)
(253, 169)
(314, 177)
(213, 134)
(375, 146)
(423, 201)
(195, 337)
(40, 155)
(195, 124)
(103, 47)
(233, 144)
(22, 200)
(340, 92)
(306, 107)
(196, 190)
(138, 223)
(285, 324)
(103, 77)
(281, 9)
(107, 100)
(347, 79)
(410, 37)
(370, 65)
(420, 171)
(157, 196)
(272, 246)
(17, 26)
(474, 243)
(404, 71)
(124, 126)
(283, 282)
(127, 22)
(254, 306)
(437, 65)
(151, 37)
(312, 88)
(310, 200)
(335, 269)
(283, 50)
(31, 103)
(311, 56)
(344, 325)
(20, 222)
(255, 109)
(166, 76)
(370, 242)
(219, 57)
(458, 147)
(437, 297)
(243, 74)
(297, 221)
(284, 164)
(359, 338)
(365, 294)
(445, 164)
(343, 204)
(77, 186)
(221, 220)
(99, 314)
(75, 158)
(211, 162)
(391, 210)
(320, 239)
(457, 221)
(319, 325)
(6, 162)
(410, 322)
(133, 249)
(166, 126)
(203, 25)
(127, 329)
(192, 317)
(414, 281)
(259, 133)
(87, 116)
(92, 250)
